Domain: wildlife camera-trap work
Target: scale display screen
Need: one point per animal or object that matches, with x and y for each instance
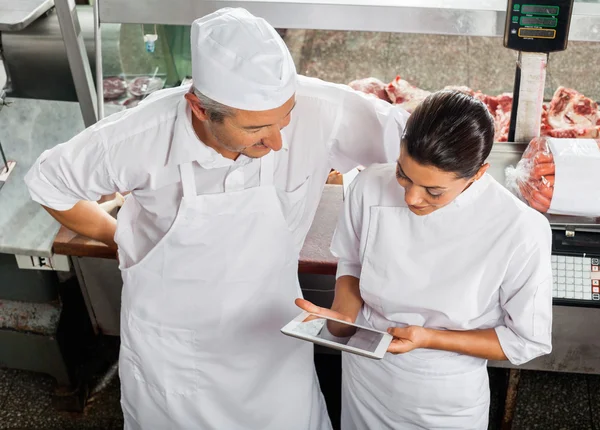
(541, 33)
(529, 9)
(538, 25)
(536, 21)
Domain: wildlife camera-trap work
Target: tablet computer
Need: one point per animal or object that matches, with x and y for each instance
(314, 328)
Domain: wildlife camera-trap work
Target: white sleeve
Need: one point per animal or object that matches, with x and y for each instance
(346, 243)
(76, 170)
(526, 299)
(368, 130)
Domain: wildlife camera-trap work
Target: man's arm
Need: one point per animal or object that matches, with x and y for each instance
(368, 131)
(68, 179)
(88, 219)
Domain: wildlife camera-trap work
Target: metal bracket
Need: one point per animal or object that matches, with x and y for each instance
(570, 231)
(528, 96)
(78, 60)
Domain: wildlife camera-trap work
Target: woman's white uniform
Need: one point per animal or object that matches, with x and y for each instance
(483, 261)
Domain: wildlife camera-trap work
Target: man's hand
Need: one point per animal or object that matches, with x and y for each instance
(90, 220)
(408, 338)
(335, 328)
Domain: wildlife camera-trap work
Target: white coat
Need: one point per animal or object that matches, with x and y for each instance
(209, 247)
(483, 261)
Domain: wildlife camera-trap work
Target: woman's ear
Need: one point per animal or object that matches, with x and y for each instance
(196, 107)
(481, 172)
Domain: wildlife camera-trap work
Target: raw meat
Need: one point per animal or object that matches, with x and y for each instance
(145, 85)
(409, 97)
(113, 87)
(371, 86)
(500, 108)
(131, 102)
(405, 95)
(569, 114)
(569, 108)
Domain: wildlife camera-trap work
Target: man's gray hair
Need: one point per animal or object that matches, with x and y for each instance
(215, 111)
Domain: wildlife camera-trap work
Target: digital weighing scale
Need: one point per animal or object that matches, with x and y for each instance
(534, 28)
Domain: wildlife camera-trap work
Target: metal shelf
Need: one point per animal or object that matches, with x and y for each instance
(457, 17)
(15, 15)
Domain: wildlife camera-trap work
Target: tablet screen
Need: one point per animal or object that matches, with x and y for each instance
(364, 339)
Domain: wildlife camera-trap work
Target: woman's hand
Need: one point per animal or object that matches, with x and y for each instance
(408, 338)
(335, 328)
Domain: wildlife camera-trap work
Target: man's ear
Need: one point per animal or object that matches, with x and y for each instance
(196, 107)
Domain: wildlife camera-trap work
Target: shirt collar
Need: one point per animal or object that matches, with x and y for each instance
(473, 192)
(466, 198)
(187, 147)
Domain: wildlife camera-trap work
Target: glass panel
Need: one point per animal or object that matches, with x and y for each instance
(422, 62)
(145, 58)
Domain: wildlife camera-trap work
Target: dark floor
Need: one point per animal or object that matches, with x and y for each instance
(546, 401)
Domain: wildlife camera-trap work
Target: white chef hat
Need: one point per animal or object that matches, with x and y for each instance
(239, 60)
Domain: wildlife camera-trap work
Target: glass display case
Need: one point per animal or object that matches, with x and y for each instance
(444, 44)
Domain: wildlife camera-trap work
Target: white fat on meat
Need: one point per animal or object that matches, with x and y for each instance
(571, 109)
(405, 95)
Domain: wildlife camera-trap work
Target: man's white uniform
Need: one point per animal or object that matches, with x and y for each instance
(208, 246)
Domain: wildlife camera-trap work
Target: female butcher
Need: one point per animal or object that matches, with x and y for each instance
(435, 251)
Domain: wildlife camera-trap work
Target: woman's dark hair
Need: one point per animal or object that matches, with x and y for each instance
(451, 131)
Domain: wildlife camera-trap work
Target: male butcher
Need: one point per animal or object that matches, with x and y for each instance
(225, 178)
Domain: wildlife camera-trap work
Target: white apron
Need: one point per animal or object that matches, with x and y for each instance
(422, 389)
(201, 314)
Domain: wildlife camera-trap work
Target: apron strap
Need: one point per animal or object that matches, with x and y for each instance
(188, 182)
(267, 169)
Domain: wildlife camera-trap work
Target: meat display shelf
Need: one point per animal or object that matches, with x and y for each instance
(457, 17)
(450, 17)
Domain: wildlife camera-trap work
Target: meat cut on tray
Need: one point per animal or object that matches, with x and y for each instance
(569, 113)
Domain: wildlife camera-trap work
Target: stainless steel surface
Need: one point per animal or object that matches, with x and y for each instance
(458, 17)
(580, 223)
(15, 15)
(28, 128)
(98, 61)
(36, 58)
(78, 60)
(575, 343)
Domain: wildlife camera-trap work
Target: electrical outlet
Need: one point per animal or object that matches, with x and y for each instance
(59, 263)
